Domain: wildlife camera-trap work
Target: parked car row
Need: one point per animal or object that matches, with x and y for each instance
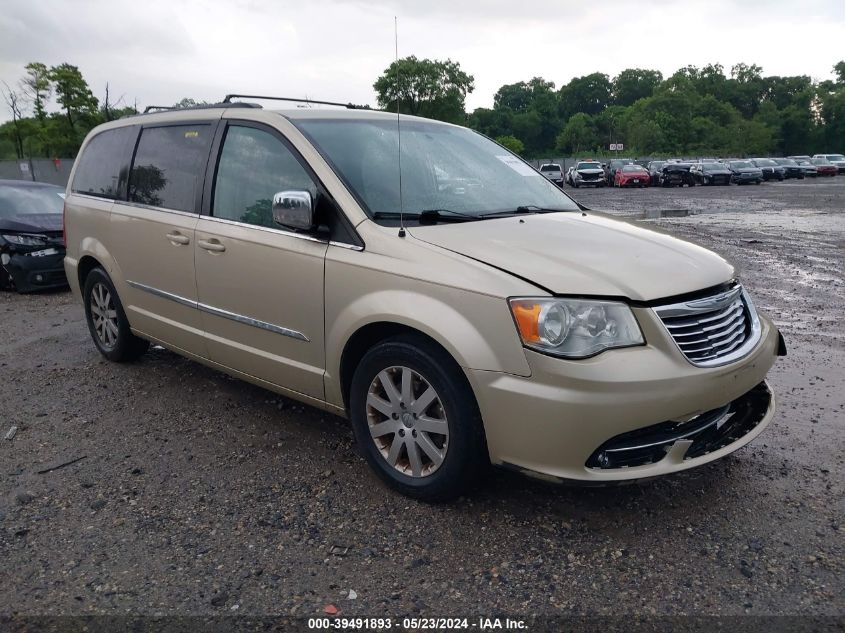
(626, 172)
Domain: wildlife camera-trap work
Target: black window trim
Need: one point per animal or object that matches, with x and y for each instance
(126, 164)
(213, 124)
(211, 176)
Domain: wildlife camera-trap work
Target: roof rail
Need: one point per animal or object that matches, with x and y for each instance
(349, 106)
(199, 106)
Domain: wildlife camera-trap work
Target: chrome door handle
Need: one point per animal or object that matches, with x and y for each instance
(211, 245)
(177, 238)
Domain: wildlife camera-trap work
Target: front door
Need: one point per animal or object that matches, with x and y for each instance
(260, 286)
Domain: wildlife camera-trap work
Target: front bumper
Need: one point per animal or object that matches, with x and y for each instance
(31, 273)
(589, 179)
(630, 182)
(552, 423)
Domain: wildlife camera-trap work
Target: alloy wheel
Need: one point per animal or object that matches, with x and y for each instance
(104, 315)
(407, 421)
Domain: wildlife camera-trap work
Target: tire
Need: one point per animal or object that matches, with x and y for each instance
(107, 321)
(453, 409)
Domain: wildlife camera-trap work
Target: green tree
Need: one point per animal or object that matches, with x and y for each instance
(512, 143)
(424, 87)
(536, 94)
(577, 135)
(839, 70)
(589, 95)
(73, 93)
(187, 102)
(633, 84)
(38, 87)
(492, 123)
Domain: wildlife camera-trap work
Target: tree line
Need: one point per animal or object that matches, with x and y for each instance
(33, 131)
(695, 111)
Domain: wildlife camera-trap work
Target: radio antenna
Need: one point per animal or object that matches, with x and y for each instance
(398, 126)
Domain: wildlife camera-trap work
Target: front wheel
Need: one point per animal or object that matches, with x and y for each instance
(416, 420)
(107, 321)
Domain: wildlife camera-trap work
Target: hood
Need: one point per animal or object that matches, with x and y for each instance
(32, 223)
(573, 253)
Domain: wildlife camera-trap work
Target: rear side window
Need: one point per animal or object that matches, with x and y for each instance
(101, 170)
(169, 165)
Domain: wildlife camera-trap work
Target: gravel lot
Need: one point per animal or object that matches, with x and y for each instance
(197, 494)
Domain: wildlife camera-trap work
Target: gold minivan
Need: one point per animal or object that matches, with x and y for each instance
(421, 280)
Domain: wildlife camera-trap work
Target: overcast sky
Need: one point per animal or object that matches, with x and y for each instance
(158, 51)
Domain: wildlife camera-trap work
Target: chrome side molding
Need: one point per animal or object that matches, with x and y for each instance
(203, 307)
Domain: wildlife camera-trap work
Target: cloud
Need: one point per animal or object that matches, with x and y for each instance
(159, 51)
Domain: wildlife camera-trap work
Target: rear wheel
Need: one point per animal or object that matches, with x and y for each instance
(107, 321)
(416, 419)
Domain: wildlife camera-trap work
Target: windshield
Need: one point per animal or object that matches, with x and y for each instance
(785, 161)
(444, 167)
(836, 157)
(712, 167)
(656, 164)
(636, 168)
(29, 200)
(741, 164)
(588, 166)
(764, 162)
(820, 161)
(550, 168)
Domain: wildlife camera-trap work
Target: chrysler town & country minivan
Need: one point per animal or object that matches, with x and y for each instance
(466, 313)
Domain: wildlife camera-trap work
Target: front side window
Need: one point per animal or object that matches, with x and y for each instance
(101, 170)
(444, 167)
(254, 166)
(169, 166)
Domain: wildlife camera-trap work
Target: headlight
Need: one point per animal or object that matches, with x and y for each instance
(574, 328)
(25, 240)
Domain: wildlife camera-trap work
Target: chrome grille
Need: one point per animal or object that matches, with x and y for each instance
(715, 330)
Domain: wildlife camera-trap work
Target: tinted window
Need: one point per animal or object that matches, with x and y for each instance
(102, 167)
(169, 165)
(254, 166)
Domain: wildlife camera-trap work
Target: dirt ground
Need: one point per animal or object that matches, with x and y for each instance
(197, 494)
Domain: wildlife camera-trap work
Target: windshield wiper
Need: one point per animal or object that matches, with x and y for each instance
(428, 216)
(521, 210)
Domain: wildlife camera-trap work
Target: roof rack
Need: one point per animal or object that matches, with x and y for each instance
(349, 106)
(200, 106)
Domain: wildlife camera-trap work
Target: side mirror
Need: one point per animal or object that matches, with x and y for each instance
(294, 209)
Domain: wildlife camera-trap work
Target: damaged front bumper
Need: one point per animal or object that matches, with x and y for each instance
(34, 270)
